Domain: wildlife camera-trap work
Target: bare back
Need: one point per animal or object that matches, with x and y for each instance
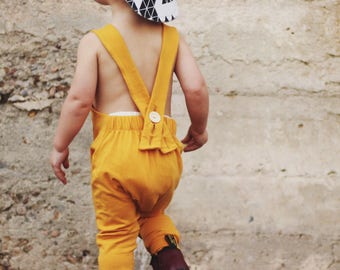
(112, 94)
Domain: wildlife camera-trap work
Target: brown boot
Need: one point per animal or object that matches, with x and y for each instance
(169, 258)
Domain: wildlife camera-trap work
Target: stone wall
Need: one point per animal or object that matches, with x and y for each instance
(262, 194)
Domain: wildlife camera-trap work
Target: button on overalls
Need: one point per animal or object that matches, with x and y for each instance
(136, 160)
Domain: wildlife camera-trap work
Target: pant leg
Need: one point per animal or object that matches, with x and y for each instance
(117, 222)
(155, 225)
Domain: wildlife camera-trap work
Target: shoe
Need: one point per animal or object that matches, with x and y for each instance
(169, 258)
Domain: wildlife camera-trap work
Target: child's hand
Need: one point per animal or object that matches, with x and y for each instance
(194, 140)
(56, 160)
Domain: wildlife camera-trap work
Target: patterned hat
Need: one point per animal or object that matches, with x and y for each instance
(155, 10)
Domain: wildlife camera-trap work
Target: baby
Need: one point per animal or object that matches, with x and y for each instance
(124, 76)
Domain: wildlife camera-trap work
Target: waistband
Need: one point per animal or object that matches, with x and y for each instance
(125, 113)
(124, 121)
(129, 113)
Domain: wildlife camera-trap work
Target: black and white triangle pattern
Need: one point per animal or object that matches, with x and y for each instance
(155, 10)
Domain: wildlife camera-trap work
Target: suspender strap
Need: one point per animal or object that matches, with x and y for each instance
(155, 134)
(116, 47)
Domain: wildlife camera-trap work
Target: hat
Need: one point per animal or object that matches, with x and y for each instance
(155, 10)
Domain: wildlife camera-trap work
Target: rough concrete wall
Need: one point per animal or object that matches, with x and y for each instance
(263, 194)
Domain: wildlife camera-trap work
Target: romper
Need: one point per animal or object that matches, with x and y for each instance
(136, 159)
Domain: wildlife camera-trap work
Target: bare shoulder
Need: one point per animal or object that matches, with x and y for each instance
(90, 39)
(182, 40)
(184, 51)
(89, 44)
(187, 69)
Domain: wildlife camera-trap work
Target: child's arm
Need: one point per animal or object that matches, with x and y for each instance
(196, 97)
(77, 104)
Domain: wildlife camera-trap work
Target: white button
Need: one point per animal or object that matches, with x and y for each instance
(154, 117)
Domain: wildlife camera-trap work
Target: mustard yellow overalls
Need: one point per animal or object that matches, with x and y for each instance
(136, 160)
